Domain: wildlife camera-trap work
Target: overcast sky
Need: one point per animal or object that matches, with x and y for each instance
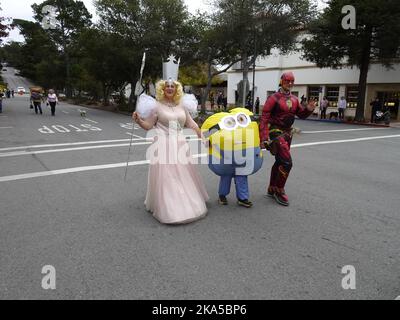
(23, 10)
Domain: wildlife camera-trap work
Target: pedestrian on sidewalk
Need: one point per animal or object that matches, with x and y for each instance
(376, 106)
(1, 101)
(36, 99)
(220, 100)
(324, 106)
(342, 104)
(52, 100)
(257, 106)
(303, 101)
(212, 100)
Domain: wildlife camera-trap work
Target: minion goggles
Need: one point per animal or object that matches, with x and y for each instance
(231, 122)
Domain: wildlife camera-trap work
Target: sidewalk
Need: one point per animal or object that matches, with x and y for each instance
(394, 124)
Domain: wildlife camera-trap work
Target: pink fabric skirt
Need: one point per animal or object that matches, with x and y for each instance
(176, 193)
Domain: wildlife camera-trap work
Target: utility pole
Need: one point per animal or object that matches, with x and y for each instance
(254, 71)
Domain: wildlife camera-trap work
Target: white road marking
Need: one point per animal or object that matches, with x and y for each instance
(66, 144)
(91, 120)
(343, 141)
(6, 127)
(128, 126)
(65, 112)
(63, 129)
(24, 153)
(134, 135)
(70, 170)
(135, 163)
(343, 130)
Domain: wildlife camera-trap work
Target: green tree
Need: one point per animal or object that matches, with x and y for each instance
(104, 58)
(157, 26)
(374, 40)
(3, 27)
(254, 27)
(35, 51)
(72, 18)
(211, 47)
(12, 53)
(196, 75)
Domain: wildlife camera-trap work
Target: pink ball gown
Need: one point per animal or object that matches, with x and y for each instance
(175, 192)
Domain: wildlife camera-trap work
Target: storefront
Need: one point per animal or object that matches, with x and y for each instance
(313, 82)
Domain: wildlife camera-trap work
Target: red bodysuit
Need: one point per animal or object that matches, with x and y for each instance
(276, 122)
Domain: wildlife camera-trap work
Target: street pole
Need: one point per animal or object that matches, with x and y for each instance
(137, 98)
(254, 71)
(244, 61)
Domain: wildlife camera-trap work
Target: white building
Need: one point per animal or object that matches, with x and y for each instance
(312, 81)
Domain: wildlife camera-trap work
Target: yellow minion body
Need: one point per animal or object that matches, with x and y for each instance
(231, 134)
(225, 135)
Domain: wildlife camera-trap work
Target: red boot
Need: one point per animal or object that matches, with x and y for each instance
(281, 198)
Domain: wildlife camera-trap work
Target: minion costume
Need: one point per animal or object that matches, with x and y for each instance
(234, 151)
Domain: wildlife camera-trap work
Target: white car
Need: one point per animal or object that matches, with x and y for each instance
(21, 90)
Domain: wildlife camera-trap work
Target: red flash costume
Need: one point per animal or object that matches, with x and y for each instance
(276, 122)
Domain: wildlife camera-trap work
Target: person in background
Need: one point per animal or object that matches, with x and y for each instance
(342, 104)
(52, 100)
(1, 101)
(376, 106)
(212, 99)
(220, 100)
(225, 102)
(324, 106)
(36, 99)
(257, 105)
(303, 101)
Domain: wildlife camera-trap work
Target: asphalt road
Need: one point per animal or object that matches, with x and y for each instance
(13, 79)
(61, 207)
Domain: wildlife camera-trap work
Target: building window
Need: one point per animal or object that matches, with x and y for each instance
(313, 93)
(352, 97)
(332, 94)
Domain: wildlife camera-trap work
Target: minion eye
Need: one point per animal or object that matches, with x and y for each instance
(243, 120)
(229, 123)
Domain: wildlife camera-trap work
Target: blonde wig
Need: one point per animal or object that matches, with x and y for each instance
(160, 86)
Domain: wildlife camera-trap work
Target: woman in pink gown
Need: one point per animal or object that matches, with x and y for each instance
(175, 192)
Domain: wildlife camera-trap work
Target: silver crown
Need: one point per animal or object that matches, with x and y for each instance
(171, 68)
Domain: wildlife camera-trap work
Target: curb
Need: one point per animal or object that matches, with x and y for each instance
(351, 122)
(97, 108)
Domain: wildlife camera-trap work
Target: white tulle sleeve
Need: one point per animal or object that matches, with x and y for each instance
(146, 106)
(190, 103)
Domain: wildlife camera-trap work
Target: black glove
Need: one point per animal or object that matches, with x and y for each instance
(267, 144)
